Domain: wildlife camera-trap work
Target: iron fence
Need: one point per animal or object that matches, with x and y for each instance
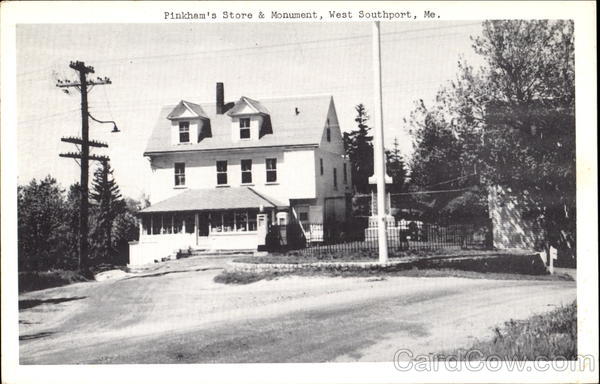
(335, 237)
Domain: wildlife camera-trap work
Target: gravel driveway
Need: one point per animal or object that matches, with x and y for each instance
(177, 314)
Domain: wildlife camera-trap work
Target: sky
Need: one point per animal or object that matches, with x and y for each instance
(152, 65)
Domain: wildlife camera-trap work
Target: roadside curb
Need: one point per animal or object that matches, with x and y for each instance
(527, 262)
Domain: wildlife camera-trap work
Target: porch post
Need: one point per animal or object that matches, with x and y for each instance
(140, 223)
(151, 224)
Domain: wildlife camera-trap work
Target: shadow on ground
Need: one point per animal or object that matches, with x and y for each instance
(169, 272)
(26, 304)
(35, 336)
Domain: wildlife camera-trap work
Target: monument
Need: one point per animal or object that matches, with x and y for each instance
(393, 231)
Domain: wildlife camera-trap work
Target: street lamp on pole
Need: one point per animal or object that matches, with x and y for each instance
(115, 128)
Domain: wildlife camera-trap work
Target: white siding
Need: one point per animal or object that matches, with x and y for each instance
(325, 185)
(295, 173)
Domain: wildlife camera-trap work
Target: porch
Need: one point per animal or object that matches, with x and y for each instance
(215, 219)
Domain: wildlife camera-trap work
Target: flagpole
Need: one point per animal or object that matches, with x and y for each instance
(379, 152)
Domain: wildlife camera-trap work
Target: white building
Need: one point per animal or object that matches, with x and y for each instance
(223, 172)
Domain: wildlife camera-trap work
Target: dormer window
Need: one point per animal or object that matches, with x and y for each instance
(189, 123)
(184, 131)
(250, 120)
(244, 128)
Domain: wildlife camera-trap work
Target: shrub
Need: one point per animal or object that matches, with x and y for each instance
(36, 280)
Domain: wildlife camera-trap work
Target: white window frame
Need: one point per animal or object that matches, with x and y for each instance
(217, 222)
(184, 128)
(179, 176)
(222, 172)
(244, 128)
(245, 172)
(271, 170)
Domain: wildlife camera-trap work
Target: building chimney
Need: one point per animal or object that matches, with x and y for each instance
(220, 99)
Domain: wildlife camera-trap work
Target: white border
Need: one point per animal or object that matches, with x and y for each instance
(583, 13)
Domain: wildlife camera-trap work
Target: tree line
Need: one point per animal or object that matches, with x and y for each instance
(508, 123)
(48, 223)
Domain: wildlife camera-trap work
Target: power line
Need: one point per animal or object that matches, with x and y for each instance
(451, 180)
(431, 192)
(53, 116)
(292, 45)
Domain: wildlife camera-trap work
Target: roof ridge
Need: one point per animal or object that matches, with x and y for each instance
(271, 98)
(189, 102)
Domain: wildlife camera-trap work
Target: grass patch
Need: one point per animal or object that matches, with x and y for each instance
(36, 280)
(552, 336)
(242, 277)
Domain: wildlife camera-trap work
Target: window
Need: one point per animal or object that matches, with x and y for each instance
(184, 131)
(246, 171)
(244, 128)
(334, 178)
(222, 172)
(190, 223)
(328, 134)
(271, 170)
(321, 165)
(146, 225)
(241, 221)
(233, 221)
(177, 223)
(345, 174)
(228, 221)
(167, 223)
(179, 174)
(252, 220)
(156, 224)
(303, 216)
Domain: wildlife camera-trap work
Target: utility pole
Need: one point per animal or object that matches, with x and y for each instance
(379, 152)
(84, 154)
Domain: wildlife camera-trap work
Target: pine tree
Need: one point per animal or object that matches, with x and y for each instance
(359, 147)
(396, 167)
(108, 205)
(72, 224)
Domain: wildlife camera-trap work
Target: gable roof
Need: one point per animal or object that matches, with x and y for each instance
(253, 104)
(184, 106)
(289, 128)
(214, 199)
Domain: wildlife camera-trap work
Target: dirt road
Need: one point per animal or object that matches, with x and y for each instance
(177, 314)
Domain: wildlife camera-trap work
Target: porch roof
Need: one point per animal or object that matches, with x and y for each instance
(215, 199)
